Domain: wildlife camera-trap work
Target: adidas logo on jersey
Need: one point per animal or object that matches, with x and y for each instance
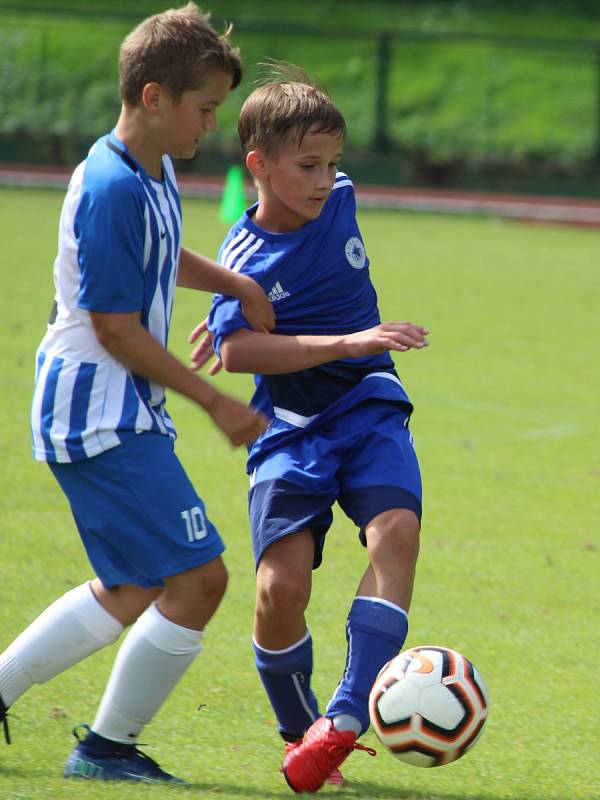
(277, 293)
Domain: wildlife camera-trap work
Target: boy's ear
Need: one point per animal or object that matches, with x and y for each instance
(256, 163)
(151, 94)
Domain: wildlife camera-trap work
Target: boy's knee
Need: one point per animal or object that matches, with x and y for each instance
(282, 595)
(395, 532)
(194, 595)
(213, 582)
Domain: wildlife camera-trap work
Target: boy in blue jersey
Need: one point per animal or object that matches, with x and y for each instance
(339, 415)
(98, 414)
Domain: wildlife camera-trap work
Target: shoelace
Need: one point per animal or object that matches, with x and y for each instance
(7, 738)
(4, 719)
(126, 750)
(289, 746)
(370, 750)
(145, 757)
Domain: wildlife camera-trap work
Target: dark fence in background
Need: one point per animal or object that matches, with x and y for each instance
(474, 111)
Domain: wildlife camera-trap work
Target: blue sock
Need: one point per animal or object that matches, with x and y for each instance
(286, 677)
(375, 632)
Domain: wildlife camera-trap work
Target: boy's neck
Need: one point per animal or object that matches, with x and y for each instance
(134, 133)
(276, 220)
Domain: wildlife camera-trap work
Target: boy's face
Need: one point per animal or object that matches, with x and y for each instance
(295, 182)
(186, 122)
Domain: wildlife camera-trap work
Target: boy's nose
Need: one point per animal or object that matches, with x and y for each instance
(324, 180)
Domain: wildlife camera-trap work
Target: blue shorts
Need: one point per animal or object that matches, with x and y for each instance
(365, 460)
(139, 517)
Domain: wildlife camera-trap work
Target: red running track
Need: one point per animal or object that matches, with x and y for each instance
(527, 208)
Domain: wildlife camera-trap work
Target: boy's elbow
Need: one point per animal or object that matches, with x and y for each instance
(114, 331)
(108, 336)
(230, 357)
(238, 351)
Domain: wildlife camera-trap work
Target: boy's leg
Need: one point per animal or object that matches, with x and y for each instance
(70, 629)
(282, 641)
(381, 492)
(377, 624)
(376, 629)
(142, 522)
(76, 625)
(151, 661)
(158, 650)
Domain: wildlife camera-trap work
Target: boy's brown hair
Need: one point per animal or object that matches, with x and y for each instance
(177, 49)
(282, 111)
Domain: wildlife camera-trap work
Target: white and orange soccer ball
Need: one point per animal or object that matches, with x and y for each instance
(428, 706)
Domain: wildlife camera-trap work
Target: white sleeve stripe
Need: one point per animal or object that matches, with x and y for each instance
(233, 243)
(233, 254)
(248, 254)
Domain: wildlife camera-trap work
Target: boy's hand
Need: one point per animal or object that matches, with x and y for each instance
(256, 307)
(204, 351)
(241, 425)
(400, 336)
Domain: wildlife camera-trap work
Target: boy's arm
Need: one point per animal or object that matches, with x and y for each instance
(124, 337)
(199, 272)
(274, 354)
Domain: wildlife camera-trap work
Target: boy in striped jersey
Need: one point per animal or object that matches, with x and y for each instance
(339, 420)
(99, 416)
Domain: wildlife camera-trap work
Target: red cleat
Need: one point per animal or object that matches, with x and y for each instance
(335, 779)
(308, 765)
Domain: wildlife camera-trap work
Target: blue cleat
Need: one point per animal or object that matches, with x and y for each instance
(126, 763)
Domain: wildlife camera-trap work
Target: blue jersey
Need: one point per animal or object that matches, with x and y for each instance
(317, 277)
(119, 245)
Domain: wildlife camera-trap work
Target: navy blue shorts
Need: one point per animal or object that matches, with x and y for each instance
(139, 517)
(365, 460)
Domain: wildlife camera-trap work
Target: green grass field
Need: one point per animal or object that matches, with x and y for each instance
(506, 426)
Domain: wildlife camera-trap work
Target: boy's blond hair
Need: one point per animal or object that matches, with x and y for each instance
(178, 49)
(282, 112)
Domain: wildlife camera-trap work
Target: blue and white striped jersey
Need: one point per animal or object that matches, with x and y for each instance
(118, 251)
(318, 279)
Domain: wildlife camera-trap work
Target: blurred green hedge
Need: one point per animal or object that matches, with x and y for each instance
(449, 101)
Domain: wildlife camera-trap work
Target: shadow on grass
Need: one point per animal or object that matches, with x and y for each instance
(356, 790)
(363, 790)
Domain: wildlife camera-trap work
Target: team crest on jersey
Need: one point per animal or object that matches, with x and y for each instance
(355, 253)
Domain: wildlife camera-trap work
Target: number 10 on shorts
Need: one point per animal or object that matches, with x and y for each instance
(195, 523)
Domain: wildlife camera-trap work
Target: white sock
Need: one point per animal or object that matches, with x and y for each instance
(346, 722)
(150, 662)
(73, 627)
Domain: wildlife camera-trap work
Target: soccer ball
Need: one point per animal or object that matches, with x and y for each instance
(428, 706)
